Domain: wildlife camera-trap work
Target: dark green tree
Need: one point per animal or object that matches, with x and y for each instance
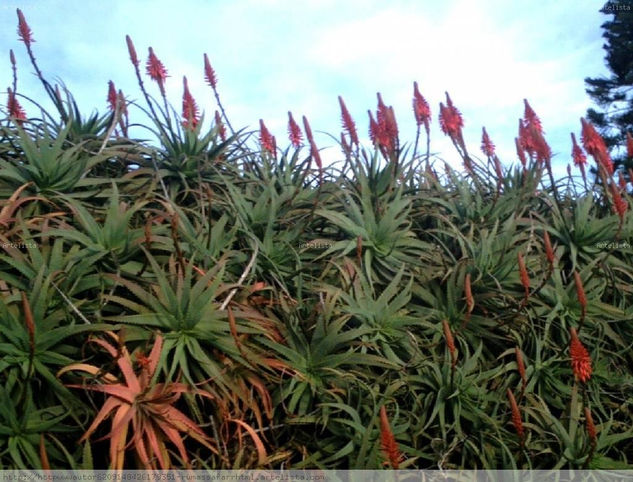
(614, 95)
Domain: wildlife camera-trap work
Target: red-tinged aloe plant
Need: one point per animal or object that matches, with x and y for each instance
(140, 407)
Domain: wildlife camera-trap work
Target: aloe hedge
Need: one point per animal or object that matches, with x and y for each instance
(213, 300)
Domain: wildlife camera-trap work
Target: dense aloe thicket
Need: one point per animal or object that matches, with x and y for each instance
(213, 299)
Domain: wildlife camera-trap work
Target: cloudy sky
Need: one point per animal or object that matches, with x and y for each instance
(272, 56)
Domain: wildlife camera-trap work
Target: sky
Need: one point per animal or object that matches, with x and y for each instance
(275, 56)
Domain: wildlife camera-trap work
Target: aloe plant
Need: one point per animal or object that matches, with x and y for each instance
(140, 407)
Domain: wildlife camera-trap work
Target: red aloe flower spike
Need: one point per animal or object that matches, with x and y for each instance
(520, 367)
(314, 151)
(190, 112)
(531, 118)
(24, 31)
(594, 144)
(450, 342)
(220, 125)
(122, 102)
(619, 204)
(388, 442)
(580, 359)
(470, 301)
(124, 114)
(308, 130)
(629, 144)
(382, 107)
(112, 96)
(132, 51)
(15, 109)
(591, 427)
(451, 121)
(294, 131)
(266, 138)
(317, 158)
(421, 108)
(12, 58)
(498, 170)
(541, 148)
(523, 274)
(392, 127)
(156, 70)
(30, 323)
(520, 152)
(348, 123)
(209, 73)
(526, 140)
(516, 416)
(386, 130)
(549, 251)
(487, 147)
(576, 152)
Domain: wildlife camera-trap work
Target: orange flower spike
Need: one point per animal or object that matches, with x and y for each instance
(156, 70)
(487, 147)
(591, 427)
(265, 137)
(531, 118)
(525, 279)
(619, 204)
(580, 292)
(451, 121)
(132, 51)
(520, 366)
(209, 73)
(294, 131)
(220, 126)
(388, 442)
(527, 142)
(314, 151)
(190, 111)
(112, 96)
(29, 321)
(594, 144)
(450, 342)
(13, 106)
(579, 157)
(580, 358)
(470, 301)
(24, 31)
(348, 123)
(516, 416)
(549, 251)
(421, 108)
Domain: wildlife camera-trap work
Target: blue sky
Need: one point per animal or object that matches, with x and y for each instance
(272, 56)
